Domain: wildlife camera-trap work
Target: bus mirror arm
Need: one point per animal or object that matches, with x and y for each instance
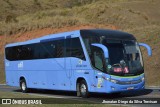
(147, 47)
(104, 48)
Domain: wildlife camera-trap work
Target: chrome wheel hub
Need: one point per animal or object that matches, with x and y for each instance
(23, 86)
(83, 89)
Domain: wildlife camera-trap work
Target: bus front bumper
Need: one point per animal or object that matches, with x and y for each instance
(122, 86)
(112, 88)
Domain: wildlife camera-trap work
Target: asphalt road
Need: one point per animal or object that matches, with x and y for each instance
(94, 98)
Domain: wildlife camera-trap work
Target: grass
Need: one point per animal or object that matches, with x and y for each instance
(139, 17)
(84, 12)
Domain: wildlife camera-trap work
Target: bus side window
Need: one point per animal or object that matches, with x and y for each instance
(60, 48)
(46, 50)
(97, 58)
(10, 53)
(19, 53)
(74, 48)
(53, 49)
(68, 47)
(25, 53)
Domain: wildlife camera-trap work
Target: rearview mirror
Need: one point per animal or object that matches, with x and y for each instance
(104, 48)
(147, 47)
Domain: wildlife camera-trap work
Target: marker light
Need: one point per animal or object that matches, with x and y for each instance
(105, 78)
(111, 80)
(114, 81)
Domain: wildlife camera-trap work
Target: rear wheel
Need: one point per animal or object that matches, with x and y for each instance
(83, 89)
(23, 86)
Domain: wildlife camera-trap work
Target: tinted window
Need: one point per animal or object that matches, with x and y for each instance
(60, 49)
(74, 48)
(68, 47)
(52, 49)
(116, 52)
(24, 52)
(97, 58)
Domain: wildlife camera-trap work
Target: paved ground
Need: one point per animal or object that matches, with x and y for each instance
(95, 98)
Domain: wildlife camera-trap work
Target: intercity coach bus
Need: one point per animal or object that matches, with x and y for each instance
(85, 61)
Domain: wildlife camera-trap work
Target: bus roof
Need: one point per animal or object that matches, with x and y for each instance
(75, 33)
(109, 34)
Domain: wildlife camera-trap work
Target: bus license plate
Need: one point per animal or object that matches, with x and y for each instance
(130, 88)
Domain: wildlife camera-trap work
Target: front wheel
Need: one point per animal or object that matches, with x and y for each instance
(23, 86)
(83, 88)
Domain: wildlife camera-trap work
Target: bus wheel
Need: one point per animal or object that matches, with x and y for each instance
(23, 86)
(83, 89)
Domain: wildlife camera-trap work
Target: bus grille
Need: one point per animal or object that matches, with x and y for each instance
(129, 82)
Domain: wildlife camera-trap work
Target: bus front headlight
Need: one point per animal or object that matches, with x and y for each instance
(114, 81)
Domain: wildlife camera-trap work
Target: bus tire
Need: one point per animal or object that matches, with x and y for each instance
(23, 86)
(83, 89)
(78, 92)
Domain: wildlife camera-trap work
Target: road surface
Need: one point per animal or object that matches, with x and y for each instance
(95, 98)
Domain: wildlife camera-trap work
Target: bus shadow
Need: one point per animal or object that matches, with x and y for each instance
(130, 94)
(50, 92)
(92, 95)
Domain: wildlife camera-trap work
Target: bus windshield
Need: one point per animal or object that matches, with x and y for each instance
(124, 56)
